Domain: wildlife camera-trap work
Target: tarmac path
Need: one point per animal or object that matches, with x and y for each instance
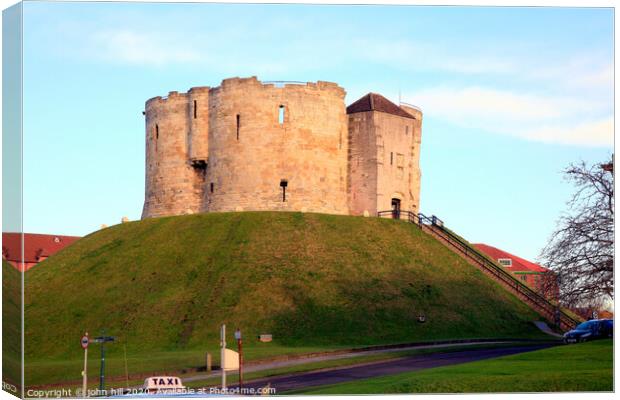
(381, 368)
(262, 366)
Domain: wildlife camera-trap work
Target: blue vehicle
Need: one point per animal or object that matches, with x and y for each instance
(590, 330)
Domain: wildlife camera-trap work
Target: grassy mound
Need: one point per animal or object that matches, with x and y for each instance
(313, 281)
(11, 323)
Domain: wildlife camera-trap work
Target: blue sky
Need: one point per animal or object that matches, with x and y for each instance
(510, 97)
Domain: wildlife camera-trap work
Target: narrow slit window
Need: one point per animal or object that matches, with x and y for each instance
(156, 131)
(281, 115)
(238, 125)
(406, 129)
(195, 109)
(211, 187)
(391, 158)
(283, 185)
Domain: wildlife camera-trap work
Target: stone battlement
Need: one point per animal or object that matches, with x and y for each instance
(291, 146)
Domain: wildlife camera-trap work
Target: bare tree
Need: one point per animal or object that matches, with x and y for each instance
(581, 250)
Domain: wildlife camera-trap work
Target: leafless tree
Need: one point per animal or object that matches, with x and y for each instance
(581, 250)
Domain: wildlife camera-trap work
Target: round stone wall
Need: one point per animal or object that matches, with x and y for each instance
(277, 147)
(173, 186)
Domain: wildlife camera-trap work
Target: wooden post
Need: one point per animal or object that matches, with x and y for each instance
(208, 362)
(240, 348)
(223, 356)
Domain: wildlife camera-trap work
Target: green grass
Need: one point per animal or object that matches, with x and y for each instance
(11, 324)
(163, 286)
(582, 367)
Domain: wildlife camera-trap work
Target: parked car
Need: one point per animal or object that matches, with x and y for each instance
(590, 330)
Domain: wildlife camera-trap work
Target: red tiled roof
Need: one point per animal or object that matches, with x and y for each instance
(35, 245)
(518, 264)
(376, 102)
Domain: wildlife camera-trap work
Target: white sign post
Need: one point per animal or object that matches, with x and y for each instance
(84, 342)
(223, 355)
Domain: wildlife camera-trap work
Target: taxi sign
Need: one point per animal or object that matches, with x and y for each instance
(163, 384)
(84, 342)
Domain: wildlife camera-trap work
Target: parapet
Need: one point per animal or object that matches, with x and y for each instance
(253, 81)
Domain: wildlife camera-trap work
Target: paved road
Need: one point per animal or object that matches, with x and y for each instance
(336, 356)
(390, 367)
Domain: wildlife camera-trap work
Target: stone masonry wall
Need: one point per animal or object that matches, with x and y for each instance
(362, 164)
(173, 186)
(198, 116)
(308, 150)
(383, 161)
(415, 171)
(397, 176)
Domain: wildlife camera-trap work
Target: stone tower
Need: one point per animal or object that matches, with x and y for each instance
(384, 156)
(174, 182)
(247, 145)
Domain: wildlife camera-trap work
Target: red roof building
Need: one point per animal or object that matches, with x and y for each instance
(532, 274)
(37, 247)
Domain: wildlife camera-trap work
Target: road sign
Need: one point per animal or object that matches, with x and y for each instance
(84, 341)
(265, 337)
(231, 360)
(238, 334)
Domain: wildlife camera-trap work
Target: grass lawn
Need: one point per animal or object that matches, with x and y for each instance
(581, 367)
(163, 287)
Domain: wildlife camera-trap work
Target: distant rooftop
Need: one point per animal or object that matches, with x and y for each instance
(518, 264)
(376, 102)
(36, 246)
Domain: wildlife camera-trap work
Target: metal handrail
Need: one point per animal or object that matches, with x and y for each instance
(283, 82)
(506, 276)
(421, 219)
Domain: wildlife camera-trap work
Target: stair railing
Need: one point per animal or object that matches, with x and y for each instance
(437, 226)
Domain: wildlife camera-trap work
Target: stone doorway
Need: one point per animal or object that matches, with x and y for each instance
(396, 208)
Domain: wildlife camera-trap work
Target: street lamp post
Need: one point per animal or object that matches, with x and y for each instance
(102, 340)
(240, 349)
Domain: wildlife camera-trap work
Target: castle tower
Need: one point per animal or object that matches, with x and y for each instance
(251, 146)
(277, 147)
(246, 145)
(384, 156)
(173, 184)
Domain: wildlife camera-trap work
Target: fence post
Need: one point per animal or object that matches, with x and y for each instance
(208, 362)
